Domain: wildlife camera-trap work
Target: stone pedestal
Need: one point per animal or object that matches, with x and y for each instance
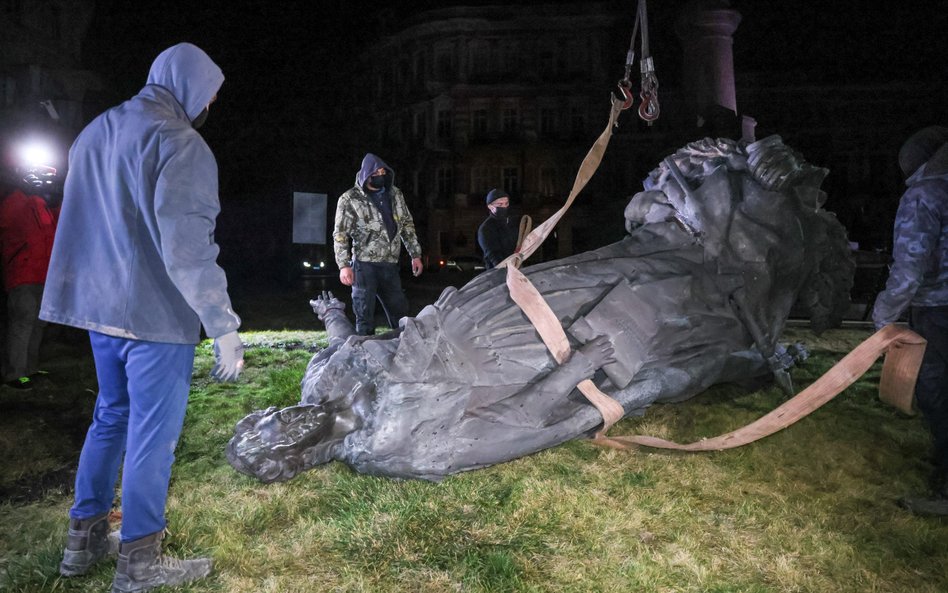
(706, 28)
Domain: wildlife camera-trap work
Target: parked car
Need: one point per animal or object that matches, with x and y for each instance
(461, 263)
(313, 261)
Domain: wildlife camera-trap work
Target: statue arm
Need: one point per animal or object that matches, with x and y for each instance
(332, 312)
(541, 403)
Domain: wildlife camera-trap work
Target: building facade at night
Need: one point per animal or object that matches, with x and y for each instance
(460, 100)
(43, 87)
(463, 100)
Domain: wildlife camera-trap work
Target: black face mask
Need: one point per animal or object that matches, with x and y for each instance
(501, 211)
(380, 181)
(200, 119)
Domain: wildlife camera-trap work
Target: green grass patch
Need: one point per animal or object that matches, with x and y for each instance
(810, 509)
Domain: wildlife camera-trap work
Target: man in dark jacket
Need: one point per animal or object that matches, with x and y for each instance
(918, 282)
(498, 234)
(27, 226)
(372, 223)
(135, 264)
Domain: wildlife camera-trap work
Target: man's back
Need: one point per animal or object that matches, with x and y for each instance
(135, 255)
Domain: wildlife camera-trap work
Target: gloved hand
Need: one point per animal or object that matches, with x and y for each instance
(324, 303)
(228, 357)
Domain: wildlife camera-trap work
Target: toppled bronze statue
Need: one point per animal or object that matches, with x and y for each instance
(722, 242)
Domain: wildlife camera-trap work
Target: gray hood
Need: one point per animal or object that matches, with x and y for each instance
(190, 74)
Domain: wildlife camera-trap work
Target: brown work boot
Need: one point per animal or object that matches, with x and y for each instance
(931, 506)
(141, 566)
(89, 541)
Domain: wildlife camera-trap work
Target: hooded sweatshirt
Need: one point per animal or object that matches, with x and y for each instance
(134, 255)
(919, 272)
(360, 231)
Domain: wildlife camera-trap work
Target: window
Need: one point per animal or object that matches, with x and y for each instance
(7, 90)
(404, 71)
(444, 123)
(481, 180)
(418, 121)
(575, 56)
(480, 57)
(546, 63)
(547, 181)
(419, 68)
(512, 181)
(547, 122)
(577, 118)
(445, 180)
(444, 65)
(54, 19)
(479, 123)
(510, 58)
(510, 120)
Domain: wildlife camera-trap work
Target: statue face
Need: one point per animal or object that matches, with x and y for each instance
(277, 444)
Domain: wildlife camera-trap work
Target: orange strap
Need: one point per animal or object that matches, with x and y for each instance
(904, 350)
(531, 301)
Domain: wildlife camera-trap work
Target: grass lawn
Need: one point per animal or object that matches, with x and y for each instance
(811, 508)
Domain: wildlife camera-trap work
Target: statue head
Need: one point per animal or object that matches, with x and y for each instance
(276, 444)
(746, 203)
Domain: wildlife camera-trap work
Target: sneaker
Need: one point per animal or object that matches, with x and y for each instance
(40, 378)
(22, 384)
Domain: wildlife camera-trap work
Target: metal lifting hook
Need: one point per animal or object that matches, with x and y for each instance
(627, 98)
(648, 108)
(625, 85)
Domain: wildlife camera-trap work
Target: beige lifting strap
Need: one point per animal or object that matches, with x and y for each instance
(525, 294)
(897, 384)
(904, 350)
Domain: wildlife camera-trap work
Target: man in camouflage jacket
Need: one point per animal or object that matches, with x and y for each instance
(918, 282)
(372, 219)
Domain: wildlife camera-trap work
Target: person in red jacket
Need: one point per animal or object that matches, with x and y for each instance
(27, 227)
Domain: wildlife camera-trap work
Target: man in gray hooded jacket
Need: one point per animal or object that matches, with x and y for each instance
(918, 283)
(134, 263)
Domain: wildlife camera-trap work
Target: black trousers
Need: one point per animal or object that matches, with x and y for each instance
(931, 391)
(377, 281)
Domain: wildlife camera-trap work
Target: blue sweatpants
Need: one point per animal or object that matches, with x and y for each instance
(143, 393)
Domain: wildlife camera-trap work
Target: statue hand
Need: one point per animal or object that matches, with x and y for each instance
(598, 352)
(324, 303)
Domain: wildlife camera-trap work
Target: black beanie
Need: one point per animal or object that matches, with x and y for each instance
(496, 194)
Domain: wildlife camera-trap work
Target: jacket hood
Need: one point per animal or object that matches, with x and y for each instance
(189, 74)
(371, 163)
(920, 148)
(934, 167)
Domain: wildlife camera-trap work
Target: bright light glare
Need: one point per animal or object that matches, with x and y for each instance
(306, 264)
(35, 154)
(322, 264)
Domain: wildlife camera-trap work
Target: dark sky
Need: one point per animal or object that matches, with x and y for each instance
(275, 44)
(273, 51)
(285, 61)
